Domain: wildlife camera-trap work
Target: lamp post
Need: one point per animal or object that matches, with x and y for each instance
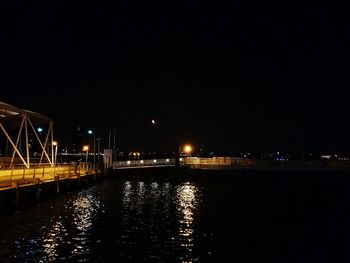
(177, 155)
(93, 133)
(86, 149)
(98, 147)
(55, 144)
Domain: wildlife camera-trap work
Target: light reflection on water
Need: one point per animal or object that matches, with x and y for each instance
(66, 233)
(52, 239)
(187, 204)
(155, 203)
(134, 220)
(166, 219)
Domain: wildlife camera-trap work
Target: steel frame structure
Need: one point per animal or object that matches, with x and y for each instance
(26, 118)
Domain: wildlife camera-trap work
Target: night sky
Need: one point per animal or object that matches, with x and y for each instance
(232, 77)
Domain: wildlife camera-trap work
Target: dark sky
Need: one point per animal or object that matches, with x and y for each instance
(234, 76)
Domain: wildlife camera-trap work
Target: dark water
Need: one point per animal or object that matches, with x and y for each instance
(199, 218)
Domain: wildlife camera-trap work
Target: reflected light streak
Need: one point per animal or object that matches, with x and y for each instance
(82, 211)
(53, 239)
(187, 203)
(155, 191)
(85, 208)
(141, 192)
(127, 192)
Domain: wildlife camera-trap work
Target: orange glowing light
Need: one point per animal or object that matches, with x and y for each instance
(187, 148)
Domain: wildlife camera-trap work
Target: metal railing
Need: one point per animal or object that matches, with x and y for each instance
(217, 162)
(128, 164)
(44, 173)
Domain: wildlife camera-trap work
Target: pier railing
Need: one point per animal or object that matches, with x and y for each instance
(234, 162)
(44, 173)
(129, 164)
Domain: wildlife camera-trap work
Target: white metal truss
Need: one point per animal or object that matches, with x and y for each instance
(25, 116)
(38, 138)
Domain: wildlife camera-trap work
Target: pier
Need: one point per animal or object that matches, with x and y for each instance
(19, 187)
(29, 170)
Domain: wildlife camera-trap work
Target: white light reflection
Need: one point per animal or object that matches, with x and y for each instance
(52, 239)
(127, 192)
(155, 192)
(127, 205)
(82, 210)
(141, 191)
(85, 208)
(71, 230)
(187, 203)
(166, 197)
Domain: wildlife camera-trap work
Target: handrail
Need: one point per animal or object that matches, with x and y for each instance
(143, 163)
(44, 173)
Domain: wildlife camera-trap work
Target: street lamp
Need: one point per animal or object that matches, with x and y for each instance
(86, 149)
(55, 144)
(98, 147)
(93, 133)
(187, 149)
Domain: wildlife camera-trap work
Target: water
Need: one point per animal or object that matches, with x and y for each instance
(204, 218)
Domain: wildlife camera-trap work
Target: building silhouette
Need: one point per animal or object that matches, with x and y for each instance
(77, 140)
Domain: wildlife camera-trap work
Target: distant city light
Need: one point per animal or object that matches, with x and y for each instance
(90, 131)
(154, 161)
(40, 129)
(141, 161)
(85, 148)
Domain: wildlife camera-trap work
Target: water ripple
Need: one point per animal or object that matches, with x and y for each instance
(187, 203)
